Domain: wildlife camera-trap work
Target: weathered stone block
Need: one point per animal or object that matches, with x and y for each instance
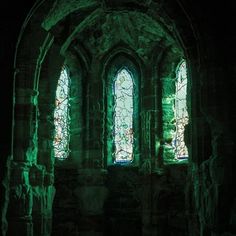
(19, 173)
(36, 175)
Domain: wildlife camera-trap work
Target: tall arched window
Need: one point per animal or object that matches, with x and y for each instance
(62, 116)
(123, 89)
(181, 113)
(122, 106)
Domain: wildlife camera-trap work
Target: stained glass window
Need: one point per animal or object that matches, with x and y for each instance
(123, 89)
(181, 114)
(61, 116)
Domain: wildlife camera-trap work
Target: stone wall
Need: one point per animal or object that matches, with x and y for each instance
(156, 34)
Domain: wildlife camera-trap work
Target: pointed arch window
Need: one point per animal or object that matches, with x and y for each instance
(181, 113)
(123, 91)
(62, 116)
(122, 111)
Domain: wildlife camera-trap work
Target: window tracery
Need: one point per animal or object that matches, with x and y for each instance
(181, 113)
(123, 116)
(62, 116)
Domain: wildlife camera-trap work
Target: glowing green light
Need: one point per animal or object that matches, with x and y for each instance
(123, 116)
(181, 113)
(61, 117)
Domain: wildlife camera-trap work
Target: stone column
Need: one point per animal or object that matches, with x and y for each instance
(148, 116)
(24, 154)
(168, 118)
(20, 201)
(43, 194)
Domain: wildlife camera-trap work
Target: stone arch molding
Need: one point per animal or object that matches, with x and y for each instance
(45, 22)
(41, 50)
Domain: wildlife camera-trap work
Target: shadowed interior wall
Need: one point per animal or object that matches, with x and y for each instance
(84, 195)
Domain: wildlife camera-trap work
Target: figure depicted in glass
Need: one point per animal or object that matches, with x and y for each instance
(61, 116)
(123, 89)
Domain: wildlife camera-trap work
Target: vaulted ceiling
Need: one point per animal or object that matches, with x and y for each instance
(99, 26)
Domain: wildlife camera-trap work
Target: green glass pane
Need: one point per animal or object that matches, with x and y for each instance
(123, 116)
(181, 114)
(61, 117)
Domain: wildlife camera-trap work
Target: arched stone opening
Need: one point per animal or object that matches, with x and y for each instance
(81, 35)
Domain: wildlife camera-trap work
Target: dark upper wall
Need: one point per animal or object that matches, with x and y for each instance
(214, 24)
(214, 30)
(12, 17)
